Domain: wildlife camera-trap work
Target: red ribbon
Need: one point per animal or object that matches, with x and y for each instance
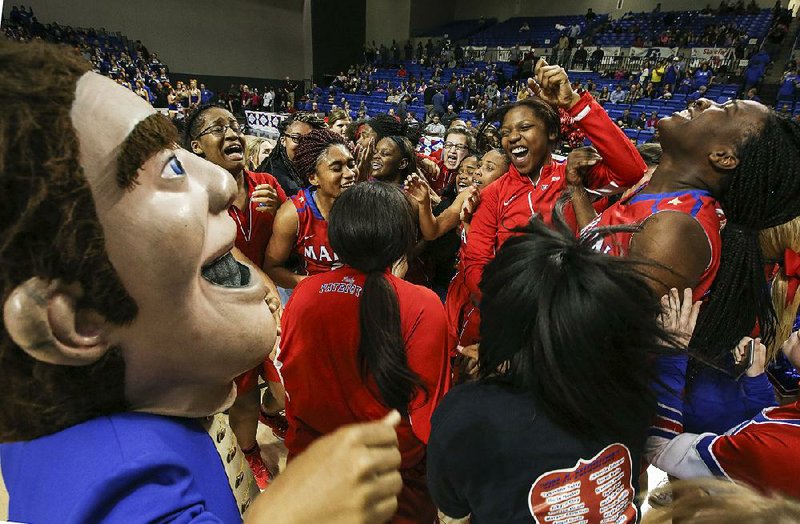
(791, 268)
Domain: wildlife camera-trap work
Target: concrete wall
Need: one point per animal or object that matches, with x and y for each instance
(250, 38)
(388, 20)
(505, 9)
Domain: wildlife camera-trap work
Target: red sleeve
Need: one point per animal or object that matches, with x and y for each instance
(621, 161)
(480, 241)
(426, 346)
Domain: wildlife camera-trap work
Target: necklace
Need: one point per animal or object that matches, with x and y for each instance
(248, 216)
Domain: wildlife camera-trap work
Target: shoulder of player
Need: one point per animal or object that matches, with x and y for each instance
(419, 297)
(673, 225)
(262, 178)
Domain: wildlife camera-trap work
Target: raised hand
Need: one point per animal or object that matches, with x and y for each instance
(364, 160)
(579, 161)
(429, 169)
(469, 206)
(416, 186)
(679, 316)
(551, 84)
(266, 198)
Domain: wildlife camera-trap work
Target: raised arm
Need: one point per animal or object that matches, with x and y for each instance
(432, 227)
(284, 237)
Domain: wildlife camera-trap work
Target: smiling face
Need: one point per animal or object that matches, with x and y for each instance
(388, 160)
(706, 126)
(454, 151)
(525, 138)
(218, 140)
(202, 319)
(466, 171)
(493, 165)
(334, 172)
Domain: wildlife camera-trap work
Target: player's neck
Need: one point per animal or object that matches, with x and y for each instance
(324, 203)
(671, 177)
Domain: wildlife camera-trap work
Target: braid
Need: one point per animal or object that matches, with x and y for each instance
(311, 147)
(764, 192)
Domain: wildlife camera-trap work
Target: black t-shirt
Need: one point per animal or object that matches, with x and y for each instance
(493, 454)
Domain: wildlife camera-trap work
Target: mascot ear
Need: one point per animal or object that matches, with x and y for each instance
(43, 320)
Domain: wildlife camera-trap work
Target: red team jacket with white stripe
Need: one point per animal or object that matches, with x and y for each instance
(639, 206)
(254, 229)
(312, 244)
(512, 200)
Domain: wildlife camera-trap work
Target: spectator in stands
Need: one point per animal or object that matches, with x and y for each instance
(268, 100)
(438, 102)
(590, 15)
(604, 95)
(667, 93)
(789, 85)
(703, 75)
(635, 94)
(562, 48)
(596, 59)
(618, 95)
(752, 94)
(626, 120)
(435, 127)
(206, 95)
(650, 91)
(449, 115)
(641, 123)
(580, 57)
(700, 93)
(651, 123)
(279, 163)
(524, 28)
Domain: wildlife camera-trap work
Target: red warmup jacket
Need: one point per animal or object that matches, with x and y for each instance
(254, 229)
(513, 199)
(319, 365)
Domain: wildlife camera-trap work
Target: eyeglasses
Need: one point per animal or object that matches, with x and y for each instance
(219, 130)
(458, 147)
(295, 137)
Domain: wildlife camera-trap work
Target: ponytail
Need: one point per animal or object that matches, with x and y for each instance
(370, 228)
(381, 350)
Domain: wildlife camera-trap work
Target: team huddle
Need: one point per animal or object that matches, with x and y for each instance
(603, 312)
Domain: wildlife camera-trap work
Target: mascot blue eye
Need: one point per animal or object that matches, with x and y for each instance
(176, 166)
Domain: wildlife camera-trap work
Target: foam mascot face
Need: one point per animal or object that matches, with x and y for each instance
(201, 317)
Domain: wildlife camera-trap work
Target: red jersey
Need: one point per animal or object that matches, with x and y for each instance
(635, 209)
(446, 177)
(312, 244)
(512, 200)
(758, 451)
(254, 228)
(319, 365)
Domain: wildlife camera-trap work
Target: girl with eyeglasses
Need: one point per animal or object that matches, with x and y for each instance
(214, 134)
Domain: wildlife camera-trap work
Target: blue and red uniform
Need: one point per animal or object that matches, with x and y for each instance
(757, 451)
(312, 244)
(638, 207)
(325, 386)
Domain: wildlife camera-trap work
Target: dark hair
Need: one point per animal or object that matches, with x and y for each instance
(386, 125)
(49, 229)
(406, 152)
(547, 329)
(370, 228)
(191, 127)
(651, 153)
(278, 153)
(764, 192)
(311, 147)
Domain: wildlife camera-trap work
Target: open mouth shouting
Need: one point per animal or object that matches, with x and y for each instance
(519, 154)
(233, 152)
(451, 160)
(226, 271)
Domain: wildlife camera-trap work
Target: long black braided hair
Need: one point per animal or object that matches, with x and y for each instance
(764, 192)
(278, 153)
